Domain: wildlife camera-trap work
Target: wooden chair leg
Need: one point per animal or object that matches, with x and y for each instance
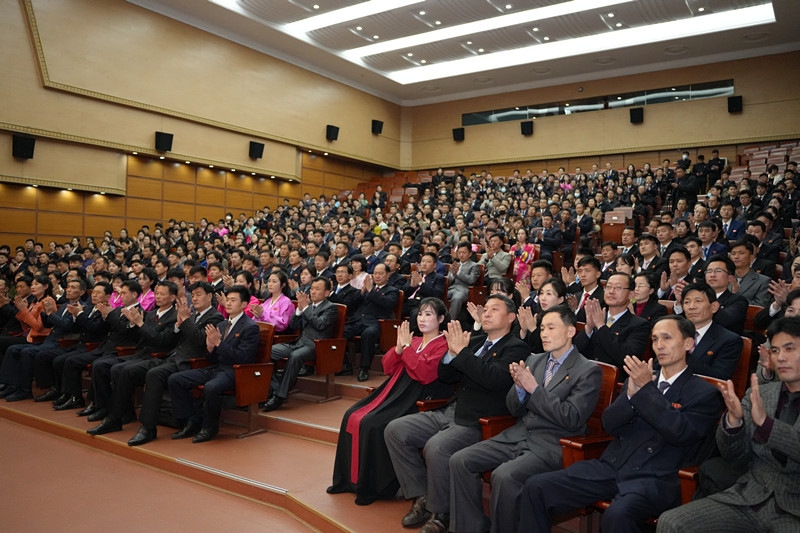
(252, 418)
(330, 389)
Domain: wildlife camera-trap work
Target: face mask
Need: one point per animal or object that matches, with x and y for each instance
(577, 194)
(685, 156)
(502, 189)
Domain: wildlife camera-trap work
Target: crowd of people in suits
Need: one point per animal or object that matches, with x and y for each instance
(189, 290)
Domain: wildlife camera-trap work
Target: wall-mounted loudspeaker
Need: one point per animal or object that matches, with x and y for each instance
(163, 141)
(22, 147)
(458, 134)
(637, 115)
(526, 127)
(256, 150)
(377, 127)
(734, 104)
(332, 132)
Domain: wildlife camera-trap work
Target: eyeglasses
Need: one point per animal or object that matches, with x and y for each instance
(616, 288)
(716, 271)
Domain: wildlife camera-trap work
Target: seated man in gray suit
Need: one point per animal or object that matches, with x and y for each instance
(315, 317)
(463, 274)
(495, 259)
(554, 394)
(763, 427)
(747, 282)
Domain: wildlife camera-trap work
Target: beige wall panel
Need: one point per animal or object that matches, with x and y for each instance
(313, 161)
(18, 221)
(289, 190)
(335, 181)
(13, 195)
(148, 209)
(179, 192)
(145, 187)
(265, 186)
(132, 36)
(64, 224)
(334, 166)
(180, 211)
(238, 200)
(210, 177)
(99, 204)
(180, 172)
(145, 167)
(239, 182)
(209, 196)
(60, 201)
(96, 225)
(313, 176)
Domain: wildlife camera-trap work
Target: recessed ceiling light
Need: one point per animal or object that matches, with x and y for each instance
(103, 192)
(210, 166)
(468, 42)
(69, 189)
(422, 61)
(438, 22)
(358, 11)
(233, 170)
(676, 98)
(376, 37)
(676, 50)
(673, 88)
(315, 6)
(619, 98)
(252, 173)
(291, 180)
(566, 105)
(188, 162)
(162, 157)
(545, 38)
(509, 6)
(701, 9)
(541, 71)
(536, 28)
(309, 151)
(618, 24)
(359, 28)
(135, 153)
(480, 50)
(516, 109)
(410, 54)
(485, 80)
(611, 15)
(272, 177)
(422, 13)
(326, 153)
(35, 186)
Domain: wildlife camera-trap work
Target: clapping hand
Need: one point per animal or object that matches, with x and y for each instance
(213, 337)
(457, 339)
(257, 310)
(595, 315)
(522, 376)
(303, 301)
(403, 336)
(182, 308)
(640, 373)
(476, 312)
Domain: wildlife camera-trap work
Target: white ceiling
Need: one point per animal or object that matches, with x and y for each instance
(492, 46)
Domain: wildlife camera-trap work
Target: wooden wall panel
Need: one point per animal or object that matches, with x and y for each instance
(144, 187)
(313, 176)
(145, 167)
(209, 196)
(209, 177)
(265, 186)
(18, 221)
(179, 211)
(149, 209)
(60, 201)
(96, 225)
(238, 200)
(179, 172)
(61, 224)
(179, 192)
(239, 182)
(100, 204)
(14, 195)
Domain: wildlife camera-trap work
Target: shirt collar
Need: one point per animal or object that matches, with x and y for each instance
(234, 319)
(671, 380)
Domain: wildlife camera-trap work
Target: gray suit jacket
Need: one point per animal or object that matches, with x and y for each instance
(315, 324)
(496, 266)
(557, 410)
(466, 277)
(754, 288)
(765, 474)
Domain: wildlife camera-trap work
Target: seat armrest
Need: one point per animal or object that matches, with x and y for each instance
(66, 343)
(688, 477)
(284, 338)
(388, 332)
(252, 382)
(493, 425)
(159, 355)
(199, 362)
(430, 405)
(581, 448)
(329, 355)
(125, 350)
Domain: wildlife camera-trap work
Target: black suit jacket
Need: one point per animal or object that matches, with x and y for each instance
(376, 304)
(91, 326)
(157, 334)
(732, 312)
(484, 381)
(629, 335)
(315, 323)
(717, 354)
(767, 268)
(653, 310)
(397, 280)
(120, 333)
(598, 294)
(239, 346)
(432, 286)
(697, 272)
(348, 296)
(192, 337)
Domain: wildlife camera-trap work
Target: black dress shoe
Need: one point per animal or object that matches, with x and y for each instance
(97, 415)
(205, 435)
(306, 370)
(61, 399)
(20, 395)
(143, 436)
(189, 430)
(346, 371)
(48, 396)
(273, 403)
(363, 374)
(108, 425)
(418, 514)
(89, 410)
(7, 391)
(438, 523)
(74, 402)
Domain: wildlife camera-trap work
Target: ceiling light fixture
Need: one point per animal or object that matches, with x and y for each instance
(345, 14)
(671, 30)
(135, 153)
(438, 22)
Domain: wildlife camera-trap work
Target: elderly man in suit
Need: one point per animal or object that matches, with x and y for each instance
(190, 328)
(463, 274)
(614, 332)
(658, 426)
(233, 341)
(315, 317)
(481, 366)
(763, 427)
(554, 394)
(496, 260)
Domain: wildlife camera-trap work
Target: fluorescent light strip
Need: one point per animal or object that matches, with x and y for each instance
(480, 26)
(232, 5)
(346, 14)
(671, 31)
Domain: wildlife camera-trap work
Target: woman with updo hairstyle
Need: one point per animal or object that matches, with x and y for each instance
(362, 465)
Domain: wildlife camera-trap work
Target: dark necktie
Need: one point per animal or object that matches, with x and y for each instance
(663, 386)
(228, 325)
(549, 371)
(788, 415)
(485, 348)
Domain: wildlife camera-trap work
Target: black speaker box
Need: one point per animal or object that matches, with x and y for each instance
(637, 115)
(734, 104)
(458, 134)
(331, 132)
(163, 141)
(377, 127)
(526, 127)
(22, 147)
(256, 150)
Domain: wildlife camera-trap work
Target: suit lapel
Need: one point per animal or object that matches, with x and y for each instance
(563, 371)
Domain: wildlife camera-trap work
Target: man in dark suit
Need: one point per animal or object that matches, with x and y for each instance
(747, 209)
(550, 237)
(697, 266)
(659, 425)
(463, 274)
(588, 287)
(234, 341)
(410, 251)
(650, 261)
(190, 328)
(686, 187)
(732, 310)
(731, 227)
(157, 332)
(424, 283)
(763, 428)
(396, 279)
(315, 318)
(379, 300)
(481, 366)
(553, 396)
(121, 333)
(717, 350)
(612, 333)
(679, 261)
(629, 242)
(666, 242)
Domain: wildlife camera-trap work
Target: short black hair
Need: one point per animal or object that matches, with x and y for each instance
(702, 287)
(566, 314)
(786, 324)
(590, 261)
(685, 326)
(542, 263)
